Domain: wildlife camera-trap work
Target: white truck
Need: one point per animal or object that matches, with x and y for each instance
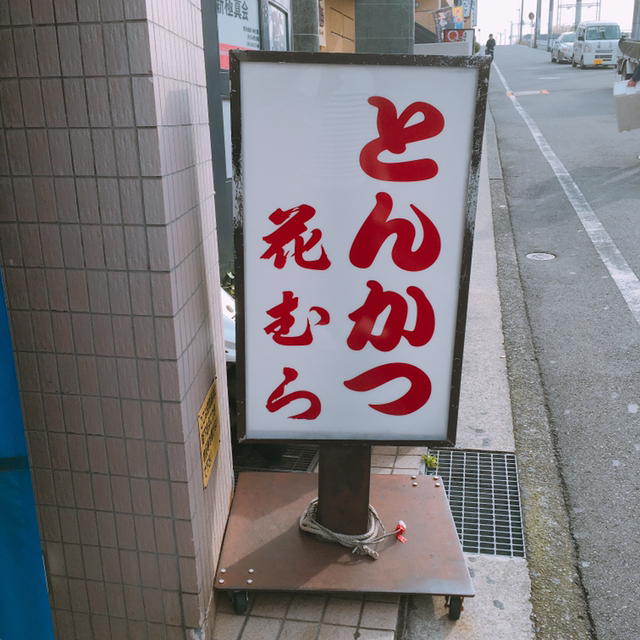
(595, 44)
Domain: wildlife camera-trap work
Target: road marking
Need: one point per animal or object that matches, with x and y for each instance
(524, 93)
(618, 268)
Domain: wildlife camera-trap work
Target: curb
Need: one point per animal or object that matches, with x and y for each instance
(558, 597)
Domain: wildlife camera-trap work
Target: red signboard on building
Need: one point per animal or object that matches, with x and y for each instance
(356, 181)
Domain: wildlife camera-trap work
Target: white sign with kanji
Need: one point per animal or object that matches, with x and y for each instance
(355, 198)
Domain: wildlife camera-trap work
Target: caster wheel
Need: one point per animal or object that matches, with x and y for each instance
(455, 607)
(239, 601)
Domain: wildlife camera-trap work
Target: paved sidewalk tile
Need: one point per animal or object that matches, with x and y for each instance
(379, 615)
(341, 611)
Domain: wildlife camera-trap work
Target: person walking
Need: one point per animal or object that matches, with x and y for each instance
(490, 46)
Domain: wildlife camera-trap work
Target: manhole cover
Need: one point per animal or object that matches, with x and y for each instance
(484, 497)
(540, 256)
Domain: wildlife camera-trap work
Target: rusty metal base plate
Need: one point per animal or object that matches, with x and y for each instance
(264, 548)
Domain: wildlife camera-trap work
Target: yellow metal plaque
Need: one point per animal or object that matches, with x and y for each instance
(209, 427)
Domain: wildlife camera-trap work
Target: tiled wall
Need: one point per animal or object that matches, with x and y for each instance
(108, 250)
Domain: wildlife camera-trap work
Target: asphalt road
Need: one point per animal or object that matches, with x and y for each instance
(572, 186)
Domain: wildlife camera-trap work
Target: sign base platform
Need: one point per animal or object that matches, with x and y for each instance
(265, 550)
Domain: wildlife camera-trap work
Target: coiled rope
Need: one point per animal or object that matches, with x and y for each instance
(358, 543)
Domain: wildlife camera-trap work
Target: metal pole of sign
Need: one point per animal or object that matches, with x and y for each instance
(344, 478)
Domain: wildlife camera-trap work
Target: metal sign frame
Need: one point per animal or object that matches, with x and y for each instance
(478, 68)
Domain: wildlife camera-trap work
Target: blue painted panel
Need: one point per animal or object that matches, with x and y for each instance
(12, 440)
(24, 603)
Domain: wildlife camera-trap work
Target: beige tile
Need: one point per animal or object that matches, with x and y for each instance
(370, 634)
(145, 534)
(126, 151)
(157, 461)
(382, 461)
(109, 200)
(169, 575)
(260, 629)
(47, 47)
(411, 451)
(105, 153)
(65, 12)
(408, 462)
(379, 615)
(385, 450)
(307, 607)
(332, 632)
(404, 472)
(91, 44)
(227, 626)
(20, 13)
(69, 50)
(271, 605)
(164, 535)
(171, 604)
(115, 53)
(19, 157)
(76, 101)
(293, 630)
(341, 611)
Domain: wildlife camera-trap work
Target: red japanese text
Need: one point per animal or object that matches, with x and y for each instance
(394, 328)
(377, 228)
(277, 400)
(395, 135)
(291, 227)
(284, 321)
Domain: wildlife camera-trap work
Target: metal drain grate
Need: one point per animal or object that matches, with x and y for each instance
(484, 496)
(297, 458)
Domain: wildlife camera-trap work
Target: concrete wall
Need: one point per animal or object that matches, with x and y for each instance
(108, 249)
(385, 27)
(445, 49)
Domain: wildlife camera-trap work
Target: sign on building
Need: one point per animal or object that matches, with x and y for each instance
(458, 35)
(238, 27)
(356, 183)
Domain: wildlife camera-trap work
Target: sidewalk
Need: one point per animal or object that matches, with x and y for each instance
(501, 609)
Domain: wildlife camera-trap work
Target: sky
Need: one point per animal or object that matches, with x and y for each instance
(495, 16)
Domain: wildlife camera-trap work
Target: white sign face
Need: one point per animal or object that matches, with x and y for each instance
(354, 210)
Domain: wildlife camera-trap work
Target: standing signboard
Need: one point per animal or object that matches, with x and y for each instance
(356, 181)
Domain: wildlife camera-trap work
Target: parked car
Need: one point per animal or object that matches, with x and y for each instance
(562, 50)
(596, 44)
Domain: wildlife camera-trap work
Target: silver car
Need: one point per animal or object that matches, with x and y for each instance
(562, 49)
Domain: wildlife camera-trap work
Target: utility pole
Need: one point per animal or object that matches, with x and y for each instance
(536, 33)
(635, 30)
(578, 12)
(521, 20)
(550, 27)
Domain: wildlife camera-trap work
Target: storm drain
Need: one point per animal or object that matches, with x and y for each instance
(297, 458)
(484, 497)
